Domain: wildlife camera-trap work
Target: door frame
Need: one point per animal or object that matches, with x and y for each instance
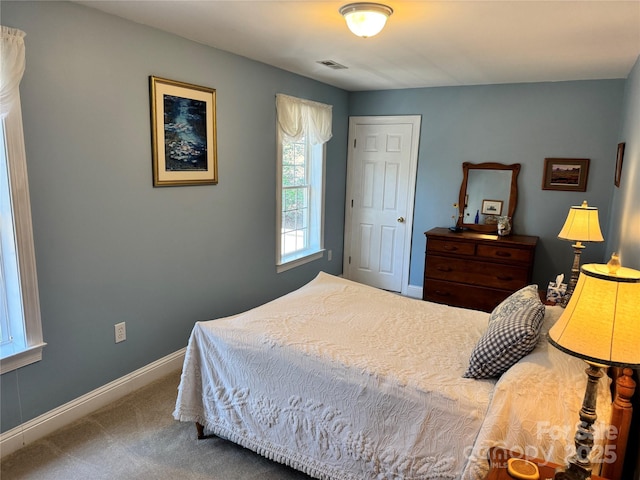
(355, 121)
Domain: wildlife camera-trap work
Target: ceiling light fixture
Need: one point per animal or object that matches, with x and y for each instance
(366, 19)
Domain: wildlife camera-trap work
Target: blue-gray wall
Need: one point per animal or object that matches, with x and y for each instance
(624, 226)
(522, 123)
(110, 247)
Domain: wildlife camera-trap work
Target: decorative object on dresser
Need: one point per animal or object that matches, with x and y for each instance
(475, 270)
(600, 326)
(490, 189)
(581, 225)
(504, 226)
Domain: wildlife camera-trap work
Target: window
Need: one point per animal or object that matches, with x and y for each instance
(301, 155)
(11, 334)
(20, 328)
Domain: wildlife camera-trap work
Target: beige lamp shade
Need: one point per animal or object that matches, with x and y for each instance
(601, 323)
(366, 19)
(582, 225)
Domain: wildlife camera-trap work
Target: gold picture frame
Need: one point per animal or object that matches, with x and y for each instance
(183, 133)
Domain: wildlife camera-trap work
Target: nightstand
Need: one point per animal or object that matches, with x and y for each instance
(498, 460)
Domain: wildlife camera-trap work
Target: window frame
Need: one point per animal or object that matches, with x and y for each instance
(16, 161)
(315, 249)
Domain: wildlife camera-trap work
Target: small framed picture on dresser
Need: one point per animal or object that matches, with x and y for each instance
(491, 207)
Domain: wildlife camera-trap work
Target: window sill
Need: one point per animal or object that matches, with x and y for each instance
(283, 267)
(21, 359)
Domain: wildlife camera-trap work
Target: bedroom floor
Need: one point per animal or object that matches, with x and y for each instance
(137, 438)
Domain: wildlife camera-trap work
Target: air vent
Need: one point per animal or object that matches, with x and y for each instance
(332, 64)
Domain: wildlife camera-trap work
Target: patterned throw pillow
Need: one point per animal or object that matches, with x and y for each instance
(513, 331)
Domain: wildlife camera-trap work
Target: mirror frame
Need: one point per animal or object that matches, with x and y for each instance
(513, 196)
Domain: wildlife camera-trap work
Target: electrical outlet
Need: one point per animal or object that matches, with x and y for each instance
(121, 332)
(329, 255)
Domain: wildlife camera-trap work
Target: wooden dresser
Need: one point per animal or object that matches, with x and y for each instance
(475, 270)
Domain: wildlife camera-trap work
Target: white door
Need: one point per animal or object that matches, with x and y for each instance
(381, 172)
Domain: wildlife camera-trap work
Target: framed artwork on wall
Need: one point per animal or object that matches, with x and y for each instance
(183, 133)
(569, 174)
(619, 158)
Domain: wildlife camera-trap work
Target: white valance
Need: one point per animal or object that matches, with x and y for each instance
(298, 117)
(11, 69)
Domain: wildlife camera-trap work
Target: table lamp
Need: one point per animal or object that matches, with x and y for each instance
(580, 226)
(601, 325)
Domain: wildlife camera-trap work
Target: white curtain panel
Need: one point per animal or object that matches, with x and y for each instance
(297, 117)
(11, 68)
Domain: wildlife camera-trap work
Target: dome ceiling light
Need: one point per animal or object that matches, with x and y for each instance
(366, 19)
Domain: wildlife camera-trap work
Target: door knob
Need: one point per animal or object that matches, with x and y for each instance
(400, 219)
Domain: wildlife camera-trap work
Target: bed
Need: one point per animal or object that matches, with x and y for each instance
(347, 382)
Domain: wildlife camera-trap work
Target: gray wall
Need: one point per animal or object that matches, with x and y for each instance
(624, 226)
(523, 123)
(109, 246)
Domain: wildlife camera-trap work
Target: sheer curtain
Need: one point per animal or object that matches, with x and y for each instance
(26, 329)
(297, 117)
(11, 68)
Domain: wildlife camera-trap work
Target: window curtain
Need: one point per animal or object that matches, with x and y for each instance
(297, 117)
(11, 68)
(12, 65)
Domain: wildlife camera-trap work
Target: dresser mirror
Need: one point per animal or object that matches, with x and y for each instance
(488, 191)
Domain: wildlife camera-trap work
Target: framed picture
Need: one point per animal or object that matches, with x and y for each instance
(491, 207)
(569, 174)
(183, 133)
(619, 158)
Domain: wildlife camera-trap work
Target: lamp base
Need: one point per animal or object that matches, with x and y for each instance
(572, 472)
(575, 273)
(579, 466)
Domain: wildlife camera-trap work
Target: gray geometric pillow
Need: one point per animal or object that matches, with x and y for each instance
(513, 331)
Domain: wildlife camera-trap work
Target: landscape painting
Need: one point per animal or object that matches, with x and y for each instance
(568, 174)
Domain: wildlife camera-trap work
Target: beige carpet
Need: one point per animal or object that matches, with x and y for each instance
(137, 438)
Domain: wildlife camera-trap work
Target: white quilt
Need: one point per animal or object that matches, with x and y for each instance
(347, 382)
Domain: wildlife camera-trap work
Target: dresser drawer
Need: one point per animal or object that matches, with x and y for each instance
(477, 298)
(507, 253)
(474, 270)
(437, 245)
(506, 277)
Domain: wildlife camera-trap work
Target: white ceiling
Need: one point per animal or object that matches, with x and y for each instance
(425, 43)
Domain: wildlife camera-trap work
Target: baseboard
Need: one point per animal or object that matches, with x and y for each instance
(30, 431)
(414, 291)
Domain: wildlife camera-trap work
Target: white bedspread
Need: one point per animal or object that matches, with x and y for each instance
(535, 407)
(347, 382)
(341, 381)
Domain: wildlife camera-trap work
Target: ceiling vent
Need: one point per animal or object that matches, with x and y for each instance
(331, 64)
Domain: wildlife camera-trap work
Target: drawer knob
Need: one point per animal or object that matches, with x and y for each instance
(500, 253)
(442, 294)
(444, 269)
(450, 248)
